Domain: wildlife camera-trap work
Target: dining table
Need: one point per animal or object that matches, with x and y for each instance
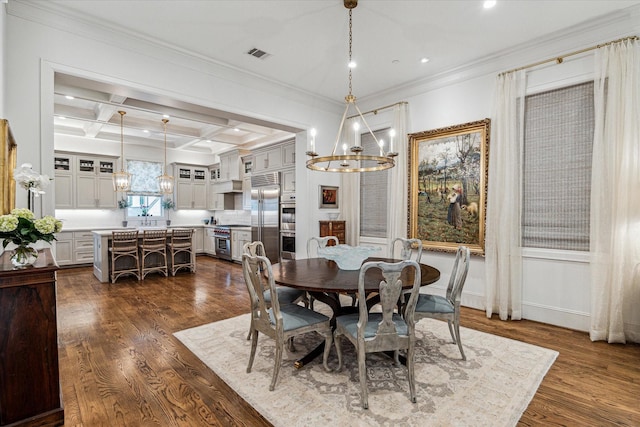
(325, 281)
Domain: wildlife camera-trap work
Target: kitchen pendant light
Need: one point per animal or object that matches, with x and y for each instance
(122, 179)
(165, 182)
(355, 162)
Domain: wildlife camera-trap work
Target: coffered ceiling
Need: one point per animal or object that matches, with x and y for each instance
(305, 45)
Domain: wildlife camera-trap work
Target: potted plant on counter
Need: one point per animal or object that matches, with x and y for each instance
(168, 204)
(124, 203)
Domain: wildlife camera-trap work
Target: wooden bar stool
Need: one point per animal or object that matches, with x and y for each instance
(124, 250)
(154, 247)
(181, 243)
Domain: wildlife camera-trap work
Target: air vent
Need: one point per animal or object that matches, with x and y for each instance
(260, 54)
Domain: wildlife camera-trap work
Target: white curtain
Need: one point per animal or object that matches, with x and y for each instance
(503, 219)
(615, 205)
(350, 183)
(397, 183)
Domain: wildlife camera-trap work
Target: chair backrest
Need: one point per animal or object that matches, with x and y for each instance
(458, 276)
(155, 239)
(319, 242)
(406, 249)
(181, 237)
(390, 290)
(253, 248)
(258, 276)
(124, 240)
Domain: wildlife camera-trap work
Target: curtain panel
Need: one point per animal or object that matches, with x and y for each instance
(615, 206)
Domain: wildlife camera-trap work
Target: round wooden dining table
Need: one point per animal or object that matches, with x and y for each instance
(324, 281)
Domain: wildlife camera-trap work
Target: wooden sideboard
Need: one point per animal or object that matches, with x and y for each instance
(29, 377)
(333, 228)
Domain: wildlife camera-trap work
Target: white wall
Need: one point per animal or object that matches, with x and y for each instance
(3, 52)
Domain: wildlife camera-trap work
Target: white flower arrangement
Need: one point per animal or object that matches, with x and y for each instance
(31, 180)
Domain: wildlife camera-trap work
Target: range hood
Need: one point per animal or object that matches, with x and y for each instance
(232, 186)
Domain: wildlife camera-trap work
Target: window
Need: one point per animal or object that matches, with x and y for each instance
(373, 192)
(558, 142)
(144, 198)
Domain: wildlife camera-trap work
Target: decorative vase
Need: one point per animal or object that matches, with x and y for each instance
(24, 256)
(168, 222)
(124, 223)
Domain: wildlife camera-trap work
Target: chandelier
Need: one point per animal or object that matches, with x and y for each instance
(351, 159)
(165, 182)
(122, 179)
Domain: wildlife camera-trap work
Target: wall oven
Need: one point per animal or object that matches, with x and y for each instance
(222, 237)
(287, 245)
(287, 216)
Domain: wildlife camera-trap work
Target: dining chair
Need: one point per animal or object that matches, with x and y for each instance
(447, 307)
(180, 247)
(124, 254)
(315, 243)
(382, 331)
(402, 248)
(279, 322)
(154, 247)
(286, 295)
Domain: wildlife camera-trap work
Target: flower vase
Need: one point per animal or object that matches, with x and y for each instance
(24, 256)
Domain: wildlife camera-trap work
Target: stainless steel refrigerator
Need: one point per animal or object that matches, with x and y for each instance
(265, 208)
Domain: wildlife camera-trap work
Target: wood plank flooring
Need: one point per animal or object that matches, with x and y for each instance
(121, 366)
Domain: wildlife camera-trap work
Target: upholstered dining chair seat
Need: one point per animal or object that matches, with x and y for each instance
(286, 295)
(296, 316)
(434, 304)
(350, 323)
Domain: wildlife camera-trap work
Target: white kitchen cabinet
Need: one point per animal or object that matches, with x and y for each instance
(246, 193)
(267, 160)
(289, 154)
(82, 247)
(84, 182)
(198, 240)
(238, 240)
(214, 173)
(209, 241)
(191, 186)
(64, 248)
(289, 181)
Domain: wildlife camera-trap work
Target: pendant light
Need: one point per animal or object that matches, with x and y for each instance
(122, 179)
(165, 182)
(354, 162)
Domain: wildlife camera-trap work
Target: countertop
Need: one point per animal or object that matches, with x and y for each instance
(115, 227)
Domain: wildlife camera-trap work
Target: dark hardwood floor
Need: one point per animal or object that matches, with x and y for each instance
(121, 366)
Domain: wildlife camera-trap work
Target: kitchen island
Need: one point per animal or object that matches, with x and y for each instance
(102, 242)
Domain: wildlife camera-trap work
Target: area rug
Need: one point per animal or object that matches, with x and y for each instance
(491, 388)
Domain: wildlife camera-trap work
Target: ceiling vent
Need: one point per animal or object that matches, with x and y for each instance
(260, 54)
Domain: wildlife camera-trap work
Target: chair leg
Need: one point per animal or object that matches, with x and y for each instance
(411, 370)
(276, 368)
(328, 340)
(456, 327)
(254, 345)
(336, 340)
(453, 335)
(362, 373)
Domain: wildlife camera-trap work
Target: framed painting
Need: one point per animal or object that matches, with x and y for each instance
(8, 158)
(328, 197)
(448, 172)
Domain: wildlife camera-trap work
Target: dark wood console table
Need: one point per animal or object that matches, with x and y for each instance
(29, 377)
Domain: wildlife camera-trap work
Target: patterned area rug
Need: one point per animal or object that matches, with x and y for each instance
(491, 388)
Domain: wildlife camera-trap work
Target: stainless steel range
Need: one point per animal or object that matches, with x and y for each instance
(222, 237)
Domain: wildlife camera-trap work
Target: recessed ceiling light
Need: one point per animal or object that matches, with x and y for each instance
(488, 4)
(395, 61)
(62, 118)
(69, 97)
(146, 131)
(165, 116)
(236, 129)
(424, 60)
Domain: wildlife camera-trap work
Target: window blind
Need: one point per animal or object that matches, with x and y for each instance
(558, 144)
(373, 192)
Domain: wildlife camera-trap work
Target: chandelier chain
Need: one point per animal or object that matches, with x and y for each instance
(350, 43)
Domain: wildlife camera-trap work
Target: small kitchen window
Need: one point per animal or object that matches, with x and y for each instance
(144, 199)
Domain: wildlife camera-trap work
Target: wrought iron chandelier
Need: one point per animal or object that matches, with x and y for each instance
(122, 179)
(165, 182)
(355, 161)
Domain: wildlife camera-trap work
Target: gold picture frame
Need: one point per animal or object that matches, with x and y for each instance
(449, 167)
(8, 159)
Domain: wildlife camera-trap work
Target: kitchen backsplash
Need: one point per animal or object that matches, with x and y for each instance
(233, 217)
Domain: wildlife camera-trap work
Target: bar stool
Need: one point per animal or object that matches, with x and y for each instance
(154, 242)
(181, 243)
(124, 244)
